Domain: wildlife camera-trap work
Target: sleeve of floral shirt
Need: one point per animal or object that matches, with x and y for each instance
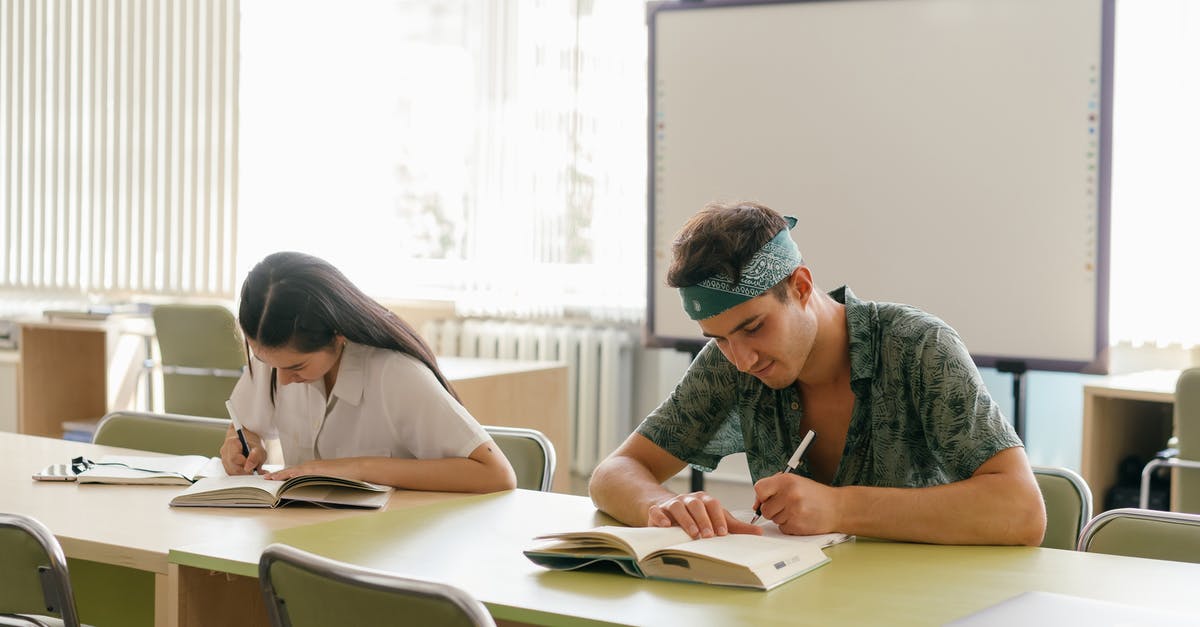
(698, 422)
(962, 422)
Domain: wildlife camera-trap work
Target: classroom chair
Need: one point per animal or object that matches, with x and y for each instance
(35, 588)
(202, 357)
(531, 454)
(301, 589)
(162, 433)
(1186, 451)
(1144, 533)
(1068, 505)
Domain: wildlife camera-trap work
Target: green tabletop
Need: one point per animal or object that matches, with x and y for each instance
(475, 543)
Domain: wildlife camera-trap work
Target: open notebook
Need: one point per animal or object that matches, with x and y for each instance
(256, 491)
(135, 469)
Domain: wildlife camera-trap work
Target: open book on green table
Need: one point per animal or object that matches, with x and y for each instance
(255, 491)
(748, 561)
(166, 469)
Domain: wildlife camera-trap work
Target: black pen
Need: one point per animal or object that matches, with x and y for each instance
(791, 465)
(237, 427)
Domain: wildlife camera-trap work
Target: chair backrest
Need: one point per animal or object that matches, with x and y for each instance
(531, 454)
(162, 433)
(1068, 505)
(1144, 533)
(33, 571)
(202, 356)
(301, 589)
(1187, 432)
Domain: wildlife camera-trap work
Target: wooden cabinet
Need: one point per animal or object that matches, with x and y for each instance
(1124, 415)
(508, 393)
(77, 370)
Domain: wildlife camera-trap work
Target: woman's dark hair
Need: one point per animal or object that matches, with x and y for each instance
(300, 302)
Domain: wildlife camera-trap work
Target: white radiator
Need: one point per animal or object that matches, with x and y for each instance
(599, 372)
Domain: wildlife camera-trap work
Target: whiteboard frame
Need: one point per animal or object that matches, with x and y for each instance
(1098, 364)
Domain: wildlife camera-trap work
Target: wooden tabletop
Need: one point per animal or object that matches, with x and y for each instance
(476, 543)
(132, 525)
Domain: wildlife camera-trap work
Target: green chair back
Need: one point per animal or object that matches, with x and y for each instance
(162, 433)
(33, 572)
(202, 357)
(530, 453)
(1068, 505)
(1144, 533)
(301, 589)
(1187, 432)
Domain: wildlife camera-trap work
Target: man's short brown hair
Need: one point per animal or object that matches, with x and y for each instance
(721, 239)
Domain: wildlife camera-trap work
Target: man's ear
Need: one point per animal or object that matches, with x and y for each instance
(801, 284)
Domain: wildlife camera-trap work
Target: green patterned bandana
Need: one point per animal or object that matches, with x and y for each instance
(774, 262)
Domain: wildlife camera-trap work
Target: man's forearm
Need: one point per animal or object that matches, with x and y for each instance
(984, 509)
(625, 489)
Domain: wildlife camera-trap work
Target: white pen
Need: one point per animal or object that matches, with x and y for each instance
(237, 426)
(791, 465)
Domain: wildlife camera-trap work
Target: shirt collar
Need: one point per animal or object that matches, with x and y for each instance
(351, 373)
(862, 324)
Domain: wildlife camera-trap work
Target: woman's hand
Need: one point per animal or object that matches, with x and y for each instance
(346, 468)
(231, 452)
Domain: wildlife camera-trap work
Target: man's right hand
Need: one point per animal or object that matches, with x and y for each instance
(231, 453)
(699, 514)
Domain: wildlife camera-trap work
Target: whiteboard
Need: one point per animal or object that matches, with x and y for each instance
(948, 154)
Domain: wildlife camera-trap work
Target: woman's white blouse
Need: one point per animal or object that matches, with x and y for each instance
(384, 404)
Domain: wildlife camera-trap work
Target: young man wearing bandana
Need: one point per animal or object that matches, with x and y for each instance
(911, 446)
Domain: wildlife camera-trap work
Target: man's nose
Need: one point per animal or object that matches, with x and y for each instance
(744, 357)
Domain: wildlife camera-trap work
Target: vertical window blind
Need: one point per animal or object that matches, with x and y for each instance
(119, 138)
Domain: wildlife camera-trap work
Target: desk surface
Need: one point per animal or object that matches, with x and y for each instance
(475, 543)
(1150, 385)
(463, 368)
(133, 525)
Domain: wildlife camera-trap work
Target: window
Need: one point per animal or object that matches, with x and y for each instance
(488, 152)
(1156, 205)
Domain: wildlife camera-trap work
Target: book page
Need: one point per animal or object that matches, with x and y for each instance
(213, 468)
(336, 496)
(176, 469)
(738, 548)
(771, 530)
(232, 491)
(636, 541)
(327, 480)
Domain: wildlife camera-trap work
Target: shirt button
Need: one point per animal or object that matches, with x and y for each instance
(795, 405)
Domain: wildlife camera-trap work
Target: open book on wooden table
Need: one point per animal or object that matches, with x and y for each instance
(165, 469)
(747, 561)
(255, 491)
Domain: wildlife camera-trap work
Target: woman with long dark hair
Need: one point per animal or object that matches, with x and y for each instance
(371, 403)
